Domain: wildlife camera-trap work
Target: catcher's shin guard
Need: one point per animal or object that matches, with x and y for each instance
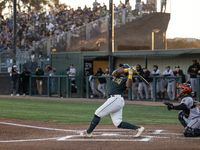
(189, 132)
(180, 118)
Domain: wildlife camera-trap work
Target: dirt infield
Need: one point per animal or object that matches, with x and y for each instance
(35, 135)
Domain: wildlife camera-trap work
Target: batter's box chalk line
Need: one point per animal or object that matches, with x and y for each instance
(102, 134)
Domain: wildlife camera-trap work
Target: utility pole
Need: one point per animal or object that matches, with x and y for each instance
(14, 30)
(111, 36)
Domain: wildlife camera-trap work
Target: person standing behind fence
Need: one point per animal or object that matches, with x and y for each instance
(39, 72)
(163, 4)
(145, 74)
(193, 71)
(106, 73)
(179, 72)
(52, 72)
(14, 80)
(139, 71)
(171, 83)
(25, 80)
(92, 81)
(134, 92)
(32, 64)
(159, 83)
(72, 73)
(102, 82)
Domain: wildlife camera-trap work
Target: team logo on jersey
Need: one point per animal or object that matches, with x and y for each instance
(184, 101)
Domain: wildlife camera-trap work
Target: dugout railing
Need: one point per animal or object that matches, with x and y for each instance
(198, 88)
(64, 86)
(108, 78)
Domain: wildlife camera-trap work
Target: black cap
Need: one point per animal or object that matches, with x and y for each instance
(168, 67)
(87, 66)
(71, 64)
(177, 66)
(144, 67)
(120, 65)
(25, 68)
(194, 60)
(155, 66)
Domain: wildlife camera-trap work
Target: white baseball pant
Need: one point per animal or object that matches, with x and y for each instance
(112, 106)
(92, 86)
(102, 88)
(134, 92)
(171, 88)
(140, 88)
(193, 82)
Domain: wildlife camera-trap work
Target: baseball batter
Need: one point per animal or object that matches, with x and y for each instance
(115, 103)
(189, 117)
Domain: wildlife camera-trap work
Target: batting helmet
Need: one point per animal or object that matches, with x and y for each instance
(185, 88)
(126, 66)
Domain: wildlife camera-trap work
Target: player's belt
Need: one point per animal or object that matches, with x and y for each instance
(116, 95)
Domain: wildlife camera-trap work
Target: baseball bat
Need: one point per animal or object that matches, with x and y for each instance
(143, 79)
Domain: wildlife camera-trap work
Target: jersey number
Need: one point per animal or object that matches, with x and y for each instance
(117, 80)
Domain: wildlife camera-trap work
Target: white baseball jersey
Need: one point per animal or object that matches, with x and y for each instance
(167, 73)
(156, 72)
(194, 110)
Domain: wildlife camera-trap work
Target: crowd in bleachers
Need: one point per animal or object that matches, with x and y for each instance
(38, 25)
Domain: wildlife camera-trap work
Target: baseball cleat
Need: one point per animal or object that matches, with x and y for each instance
(139, 131)
(85, 134)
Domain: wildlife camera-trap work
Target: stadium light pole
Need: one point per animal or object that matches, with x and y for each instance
(153, 32)
(111, 36)
(14, 30)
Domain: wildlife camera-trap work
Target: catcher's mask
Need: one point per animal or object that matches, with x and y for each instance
(126, 66)
(184, 88)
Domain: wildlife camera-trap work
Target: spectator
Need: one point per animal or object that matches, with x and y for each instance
(14, 81)
(25, 81)
(163, 4)
(102, 82)
(51, 72)
(95, 4)
(171, 83)
(72, 73)
(89, 72)
(39, 80)
(32, 64)
(193, 71)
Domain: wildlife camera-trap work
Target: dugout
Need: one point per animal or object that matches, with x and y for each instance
(162, 58)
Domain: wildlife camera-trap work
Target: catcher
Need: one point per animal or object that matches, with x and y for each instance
(113, 106)
(189, 117)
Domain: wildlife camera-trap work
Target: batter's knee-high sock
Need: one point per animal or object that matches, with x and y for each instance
(94, 123)
(127, 125)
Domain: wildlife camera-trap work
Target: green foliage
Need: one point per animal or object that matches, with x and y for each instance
(182, 44)
(30, 4)
(73, 112)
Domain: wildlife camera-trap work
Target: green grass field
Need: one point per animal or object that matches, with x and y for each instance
(73, 112)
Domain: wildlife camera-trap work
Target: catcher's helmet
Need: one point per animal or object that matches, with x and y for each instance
(186, 88)
(126, 66)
